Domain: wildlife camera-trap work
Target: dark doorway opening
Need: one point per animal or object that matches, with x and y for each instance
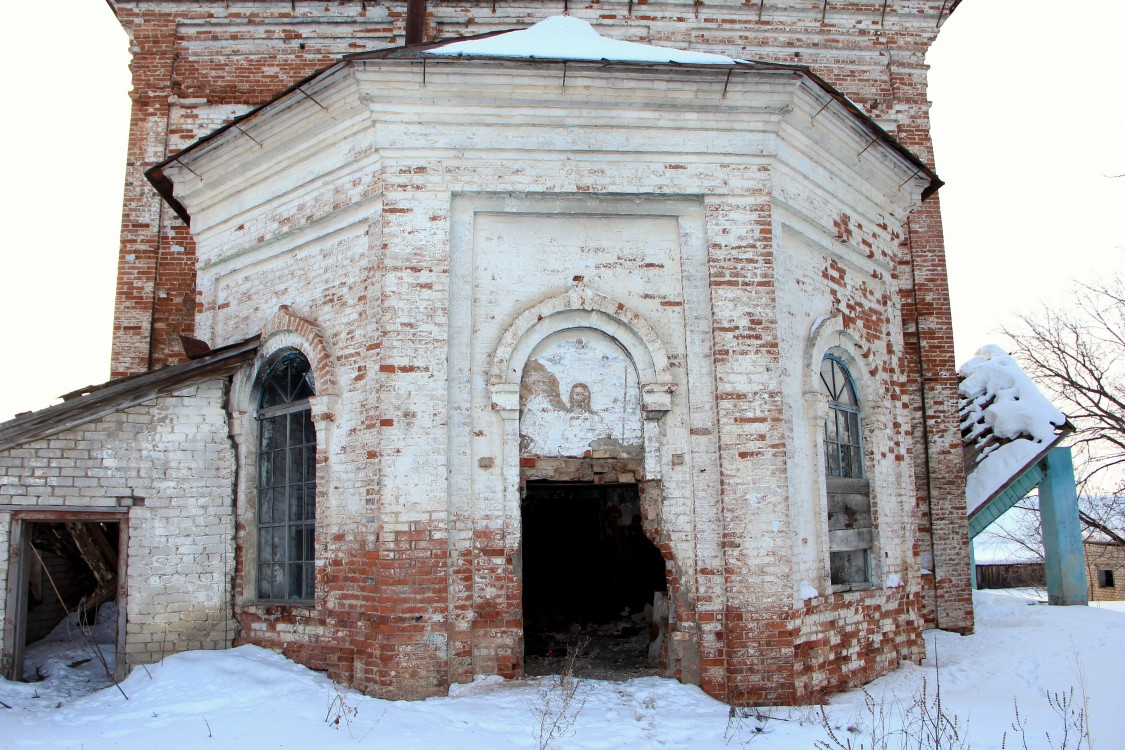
(591, 581)
(65, 586)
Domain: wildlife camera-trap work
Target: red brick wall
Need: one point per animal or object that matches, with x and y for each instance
(852, 638)
(793, 656)
(939, 473)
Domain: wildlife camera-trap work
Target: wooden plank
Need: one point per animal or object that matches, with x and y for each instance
(848, 511)
(97, 532)
(100, 557)
(63, 514)
(844, 540)
(11, 658)
(83, 537)
(120, 668)
(848, 485)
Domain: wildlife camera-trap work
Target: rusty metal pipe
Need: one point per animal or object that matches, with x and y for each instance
(415, 21)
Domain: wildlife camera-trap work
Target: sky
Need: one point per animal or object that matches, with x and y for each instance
(1028, 128)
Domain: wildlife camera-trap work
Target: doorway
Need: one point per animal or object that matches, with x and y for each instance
(65, 598)
(592, 580)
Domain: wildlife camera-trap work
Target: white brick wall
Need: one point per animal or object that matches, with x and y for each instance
(171, 459)
(651, 190)
(353, 222)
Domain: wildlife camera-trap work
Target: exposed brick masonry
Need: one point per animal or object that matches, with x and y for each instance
(196, 66)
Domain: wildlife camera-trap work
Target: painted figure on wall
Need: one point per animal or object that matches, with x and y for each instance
(602, 408)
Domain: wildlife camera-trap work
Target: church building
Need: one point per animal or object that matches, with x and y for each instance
(453, 335)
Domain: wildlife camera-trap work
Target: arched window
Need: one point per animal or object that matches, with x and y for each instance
(843, 453)
(286, 517)
(849, 495)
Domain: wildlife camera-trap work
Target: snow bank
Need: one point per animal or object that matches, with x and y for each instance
(250, 697)
(65, 659)
(567, 38)
(997, 395)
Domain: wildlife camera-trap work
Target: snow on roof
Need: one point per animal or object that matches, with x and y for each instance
(567, 38)
(1004, 418)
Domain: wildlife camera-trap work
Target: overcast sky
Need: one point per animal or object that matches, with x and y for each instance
(1028, 129)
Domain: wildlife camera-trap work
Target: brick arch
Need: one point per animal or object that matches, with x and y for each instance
(580, 307)
(831, 334)
(287, 329)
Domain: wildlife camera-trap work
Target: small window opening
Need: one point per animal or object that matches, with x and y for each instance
(1105, 579)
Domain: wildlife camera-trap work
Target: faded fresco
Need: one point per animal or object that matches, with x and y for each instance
(579, 393)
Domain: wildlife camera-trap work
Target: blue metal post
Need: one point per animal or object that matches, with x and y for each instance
(1062, 532)
(973, 561)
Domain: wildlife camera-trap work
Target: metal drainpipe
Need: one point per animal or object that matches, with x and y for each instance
(925, 416)
(159, 236)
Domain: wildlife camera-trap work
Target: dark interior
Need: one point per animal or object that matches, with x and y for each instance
(590, 576)
(73, 567)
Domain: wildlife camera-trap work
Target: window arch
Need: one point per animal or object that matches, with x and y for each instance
(286, 517)
(850, 532)
(843, 447)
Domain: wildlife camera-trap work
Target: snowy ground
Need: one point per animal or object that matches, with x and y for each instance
(250, 697)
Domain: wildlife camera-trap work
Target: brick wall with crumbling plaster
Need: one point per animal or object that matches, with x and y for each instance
(429, 268)
(196, 65)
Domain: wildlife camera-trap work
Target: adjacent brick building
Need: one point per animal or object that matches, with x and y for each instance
(1105, 569)
(519, 345)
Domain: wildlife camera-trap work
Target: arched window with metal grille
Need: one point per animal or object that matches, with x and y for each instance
(850, 533)
(286, 509)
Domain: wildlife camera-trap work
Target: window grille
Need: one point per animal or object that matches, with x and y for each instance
(850, 527)
(286, 517)
(842, 443)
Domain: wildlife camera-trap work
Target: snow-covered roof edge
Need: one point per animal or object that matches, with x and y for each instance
(570, 38)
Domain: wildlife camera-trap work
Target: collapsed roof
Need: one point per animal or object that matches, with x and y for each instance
(1006, 423)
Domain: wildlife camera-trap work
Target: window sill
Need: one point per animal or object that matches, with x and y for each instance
(288, 603)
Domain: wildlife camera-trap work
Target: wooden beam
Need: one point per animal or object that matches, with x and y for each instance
(83, 535)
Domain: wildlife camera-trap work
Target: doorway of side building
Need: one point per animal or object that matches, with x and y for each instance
(65, 599)
(594, 585)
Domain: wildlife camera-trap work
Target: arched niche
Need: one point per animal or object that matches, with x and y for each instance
(552, 329)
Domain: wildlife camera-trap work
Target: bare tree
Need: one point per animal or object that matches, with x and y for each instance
(1076, 355)
(1019, 532)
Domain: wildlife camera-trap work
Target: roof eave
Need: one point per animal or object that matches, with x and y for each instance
(166, 188)
(94, 402)
(1064, 431)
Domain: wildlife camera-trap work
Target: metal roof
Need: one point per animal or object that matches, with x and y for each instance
(417, 53)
